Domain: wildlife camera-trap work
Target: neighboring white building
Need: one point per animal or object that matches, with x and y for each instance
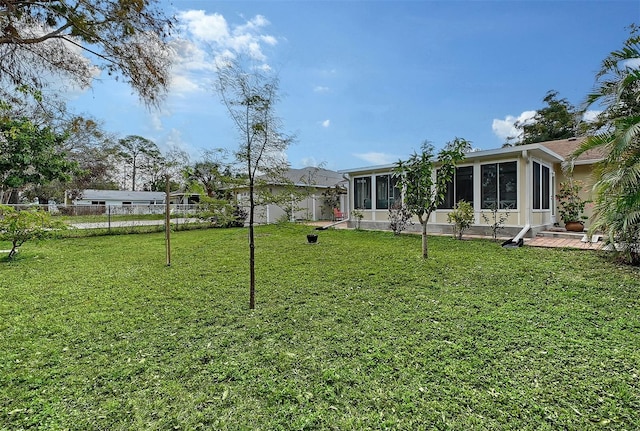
(308, 185)
(119, 198)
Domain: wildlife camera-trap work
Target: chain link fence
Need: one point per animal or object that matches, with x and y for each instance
(87, 220)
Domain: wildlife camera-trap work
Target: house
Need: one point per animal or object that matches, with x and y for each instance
(92, 201)
(119, 198)
(297, 195)
(521, 181)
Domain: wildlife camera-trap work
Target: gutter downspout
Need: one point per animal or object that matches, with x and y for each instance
(527, 199)
(518, 240)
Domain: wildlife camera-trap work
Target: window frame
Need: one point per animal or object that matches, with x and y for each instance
(541, 187)
(356, 204)
(393, 192)
(499, 199)
(456, 196)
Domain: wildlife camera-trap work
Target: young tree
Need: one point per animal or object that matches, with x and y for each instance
(250, 98)
(18, 227)
(617, 186)
(423, 185)
(331, 199)
(72, 39)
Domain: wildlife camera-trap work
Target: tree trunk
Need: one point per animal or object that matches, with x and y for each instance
(252, 250)
(425, 254)
(13, 197)
(43, 203)
(14, 250)
(133, 176)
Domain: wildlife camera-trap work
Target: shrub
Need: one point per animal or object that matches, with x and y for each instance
(462, 217)
(357, 214)
(570, 205)
(18, 227)
(496, 220)
(399, 218)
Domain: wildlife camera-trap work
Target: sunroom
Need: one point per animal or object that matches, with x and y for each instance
(516, 183)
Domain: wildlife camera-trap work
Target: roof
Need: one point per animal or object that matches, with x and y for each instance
(555, 151)
(121, 195)
(565, 147)
(315, 177)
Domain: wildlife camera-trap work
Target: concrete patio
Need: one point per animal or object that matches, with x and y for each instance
(549, 239)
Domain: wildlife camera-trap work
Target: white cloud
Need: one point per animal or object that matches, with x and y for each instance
(181, 85)
(156, 121)
(590, 116)
(309, 162)
(377, 158)
(326, 123)
(210, 28)
(506, 128)
(320, 89)
(207, 40)
(215, 32)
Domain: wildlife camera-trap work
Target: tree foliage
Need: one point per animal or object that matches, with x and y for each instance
(558, 120)
(461, 218)
(617, 187)
(250, 97)
(331, 199)
(137, 153)
(18, 227)
(399, 217)
(30, 156)
(213, 174)
(73, 40)
(423, 186)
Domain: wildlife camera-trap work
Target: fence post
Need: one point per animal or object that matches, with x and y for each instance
(109, 218)
(167, 221)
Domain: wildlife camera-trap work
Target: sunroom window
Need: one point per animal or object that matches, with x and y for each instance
(499, 185)
(362, 195)
(387, 191)
(460, 188)
(541, 190)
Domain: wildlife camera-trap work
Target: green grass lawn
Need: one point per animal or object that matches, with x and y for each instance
(355, 332)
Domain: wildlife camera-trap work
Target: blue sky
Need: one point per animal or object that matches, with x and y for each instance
(366, 82)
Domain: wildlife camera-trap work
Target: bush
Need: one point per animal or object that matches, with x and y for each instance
(399, 218)
(18, 227)
(496, 221)
(462, 217)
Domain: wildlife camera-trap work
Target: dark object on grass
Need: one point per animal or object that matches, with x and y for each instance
(510, 243)
(312, 238)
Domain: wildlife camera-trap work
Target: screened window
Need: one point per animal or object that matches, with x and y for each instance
(460, 188)
(499, 185)
(541, 191)
(362, 195)
(387, 191)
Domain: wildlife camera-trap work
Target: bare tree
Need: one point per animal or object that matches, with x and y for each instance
(250, 98)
